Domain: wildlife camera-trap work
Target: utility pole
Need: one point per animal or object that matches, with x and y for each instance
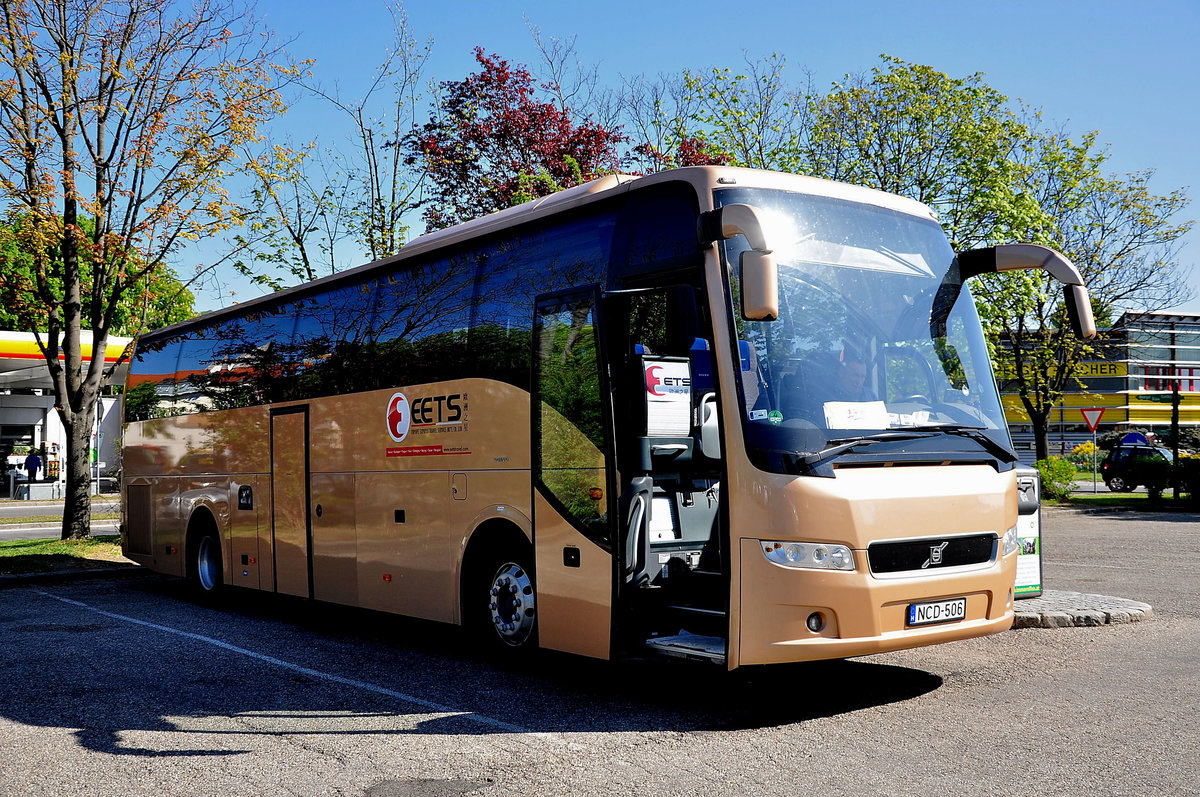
(1175, 434)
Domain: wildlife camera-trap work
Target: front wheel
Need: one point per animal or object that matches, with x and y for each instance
(507, 608)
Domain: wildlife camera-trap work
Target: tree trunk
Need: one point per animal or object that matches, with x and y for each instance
(1041, 434)
(77, 509)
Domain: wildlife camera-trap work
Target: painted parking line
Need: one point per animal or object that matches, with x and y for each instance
(436, 708)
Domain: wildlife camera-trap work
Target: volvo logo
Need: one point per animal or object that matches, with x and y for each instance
(935, 554)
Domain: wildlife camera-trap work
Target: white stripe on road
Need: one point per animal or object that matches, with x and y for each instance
(447, 711)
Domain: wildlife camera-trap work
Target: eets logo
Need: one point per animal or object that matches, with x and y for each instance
(662, 385)
(399, 416)
(438, 410)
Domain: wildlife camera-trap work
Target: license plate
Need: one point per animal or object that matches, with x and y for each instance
(937, 611)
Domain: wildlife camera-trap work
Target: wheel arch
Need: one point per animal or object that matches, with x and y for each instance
(489, 538)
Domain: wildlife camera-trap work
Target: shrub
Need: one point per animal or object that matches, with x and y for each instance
(1084, 450)
(1058, 477)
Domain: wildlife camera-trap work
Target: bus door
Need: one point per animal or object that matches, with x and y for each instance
(673, 583)
(290, 531)
(573, 500)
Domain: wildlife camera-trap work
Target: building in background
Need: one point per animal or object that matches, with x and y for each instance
(28, 420)
(1129, 375)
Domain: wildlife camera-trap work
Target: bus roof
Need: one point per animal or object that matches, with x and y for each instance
(704, 179)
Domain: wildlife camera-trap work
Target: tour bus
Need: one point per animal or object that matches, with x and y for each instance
(715, 413)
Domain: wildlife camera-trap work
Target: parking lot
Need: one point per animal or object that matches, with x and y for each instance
(126, 685)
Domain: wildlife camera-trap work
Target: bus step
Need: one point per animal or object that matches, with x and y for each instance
(690, 646)
(696, 610)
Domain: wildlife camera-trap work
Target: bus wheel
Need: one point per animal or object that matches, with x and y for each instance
(511, 609)
(206, 564)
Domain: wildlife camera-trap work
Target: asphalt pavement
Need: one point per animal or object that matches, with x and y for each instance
(131, 686)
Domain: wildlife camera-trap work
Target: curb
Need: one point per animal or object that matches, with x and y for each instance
(114, 570)
(1058, 609)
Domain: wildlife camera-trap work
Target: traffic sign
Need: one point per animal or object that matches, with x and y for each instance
(1091, 417)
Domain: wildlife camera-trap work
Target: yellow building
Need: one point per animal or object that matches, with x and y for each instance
(1129, 377)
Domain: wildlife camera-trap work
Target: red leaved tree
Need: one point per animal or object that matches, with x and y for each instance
(492, 142)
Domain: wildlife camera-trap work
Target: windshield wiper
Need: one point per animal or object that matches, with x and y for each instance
(975, 433)
(810, 460)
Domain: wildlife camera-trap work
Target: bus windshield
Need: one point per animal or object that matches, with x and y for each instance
(876, 335)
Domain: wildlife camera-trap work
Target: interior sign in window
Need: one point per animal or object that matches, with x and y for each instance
(668, 396)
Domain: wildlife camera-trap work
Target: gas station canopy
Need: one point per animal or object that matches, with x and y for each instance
(22, 365)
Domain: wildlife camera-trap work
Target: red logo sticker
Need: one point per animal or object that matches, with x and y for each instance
(652, 380)
(398, 417)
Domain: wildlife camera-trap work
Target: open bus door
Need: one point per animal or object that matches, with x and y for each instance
(573, 499)
(627, 472)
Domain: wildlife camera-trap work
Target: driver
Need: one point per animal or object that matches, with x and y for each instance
(850, 382)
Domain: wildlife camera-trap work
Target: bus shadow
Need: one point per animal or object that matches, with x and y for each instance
(284, 667)
(556, 692)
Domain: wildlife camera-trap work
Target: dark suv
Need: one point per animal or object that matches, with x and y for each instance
(1127, 466)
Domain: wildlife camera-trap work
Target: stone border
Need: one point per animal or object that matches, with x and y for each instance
(1059, 609)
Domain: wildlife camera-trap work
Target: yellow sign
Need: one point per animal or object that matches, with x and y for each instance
(1091, 369)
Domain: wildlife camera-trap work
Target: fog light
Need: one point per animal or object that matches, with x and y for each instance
(815, 622)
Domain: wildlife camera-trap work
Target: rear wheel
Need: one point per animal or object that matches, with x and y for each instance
(206, 568)
(1118, 485)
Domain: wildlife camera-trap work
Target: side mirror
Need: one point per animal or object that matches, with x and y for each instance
(760, 286)
(1079, 311)
(1010, 257)
(760, 274)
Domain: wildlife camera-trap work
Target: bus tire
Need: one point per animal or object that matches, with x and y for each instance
(205, 569)
(502, 602)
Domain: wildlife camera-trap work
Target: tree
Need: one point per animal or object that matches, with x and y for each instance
(158, 300)
(753, 118)
(993, 174)
(130, 114)
(1123, 237)
(313, 201)
(491, 141)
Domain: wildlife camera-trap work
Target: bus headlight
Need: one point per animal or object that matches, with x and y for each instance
(812, 555)
(1010, 541)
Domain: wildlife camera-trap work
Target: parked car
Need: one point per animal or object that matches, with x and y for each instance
(1127, 466)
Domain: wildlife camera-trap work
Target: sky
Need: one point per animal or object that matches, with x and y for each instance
(1130, 70)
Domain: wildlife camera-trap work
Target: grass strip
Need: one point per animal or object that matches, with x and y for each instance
(13, 521)
(21, 557)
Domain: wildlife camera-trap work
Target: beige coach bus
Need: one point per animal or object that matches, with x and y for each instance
(713, 413)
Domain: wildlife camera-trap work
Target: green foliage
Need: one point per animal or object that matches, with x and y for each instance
(1058, 477)
(154, 300)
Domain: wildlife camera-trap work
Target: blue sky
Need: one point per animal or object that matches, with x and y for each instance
(1129, 70)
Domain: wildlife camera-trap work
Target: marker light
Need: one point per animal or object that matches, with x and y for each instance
(811, 555)
(1010, 541)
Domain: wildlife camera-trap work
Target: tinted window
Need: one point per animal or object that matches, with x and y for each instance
(332, 345)
(572, 464)
(466, 314)
(420, 323)
(150, 389)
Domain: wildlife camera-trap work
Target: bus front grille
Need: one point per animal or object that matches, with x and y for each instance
(931, 553)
